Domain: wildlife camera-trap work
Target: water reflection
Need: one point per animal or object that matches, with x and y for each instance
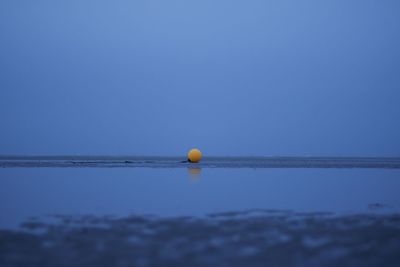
(194, 173)
(26, 192)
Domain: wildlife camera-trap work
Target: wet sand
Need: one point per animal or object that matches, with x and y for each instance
(209, 162)
(249, 238)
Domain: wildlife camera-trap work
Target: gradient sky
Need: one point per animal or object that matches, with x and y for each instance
(230, 77)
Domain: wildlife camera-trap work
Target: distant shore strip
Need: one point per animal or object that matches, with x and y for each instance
(210, 162)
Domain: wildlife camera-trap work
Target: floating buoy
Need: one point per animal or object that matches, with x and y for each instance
(194, 155)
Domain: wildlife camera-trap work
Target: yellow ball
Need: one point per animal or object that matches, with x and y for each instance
(194, 155)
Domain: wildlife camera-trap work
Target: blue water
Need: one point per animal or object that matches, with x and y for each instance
(37, 192)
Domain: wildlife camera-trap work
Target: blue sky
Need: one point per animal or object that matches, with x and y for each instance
(229, 77)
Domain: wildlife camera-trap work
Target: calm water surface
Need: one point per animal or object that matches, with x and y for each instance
(211, 216)
(169, 192)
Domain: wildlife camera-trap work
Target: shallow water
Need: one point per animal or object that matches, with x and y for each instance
(199, 215)
(26, 192)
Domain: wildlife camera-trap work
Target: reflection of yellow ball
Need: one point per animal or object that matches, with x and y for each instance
(194, 155)
(194, 173)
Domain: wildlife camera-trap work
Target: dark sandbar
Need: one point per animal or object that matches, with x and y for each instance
(209, 162)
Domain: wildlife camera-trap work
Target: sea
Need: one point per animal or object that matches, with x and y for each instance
(223, 211)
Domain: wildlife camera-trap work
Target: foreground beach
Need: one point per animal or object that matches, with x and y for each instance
(251, 238)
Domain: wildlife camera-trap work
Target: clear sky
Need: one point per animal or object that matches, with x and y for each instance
(229, 77)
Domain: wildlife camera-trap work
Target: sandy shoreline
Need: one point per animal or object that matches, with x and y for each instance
(209, 162)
